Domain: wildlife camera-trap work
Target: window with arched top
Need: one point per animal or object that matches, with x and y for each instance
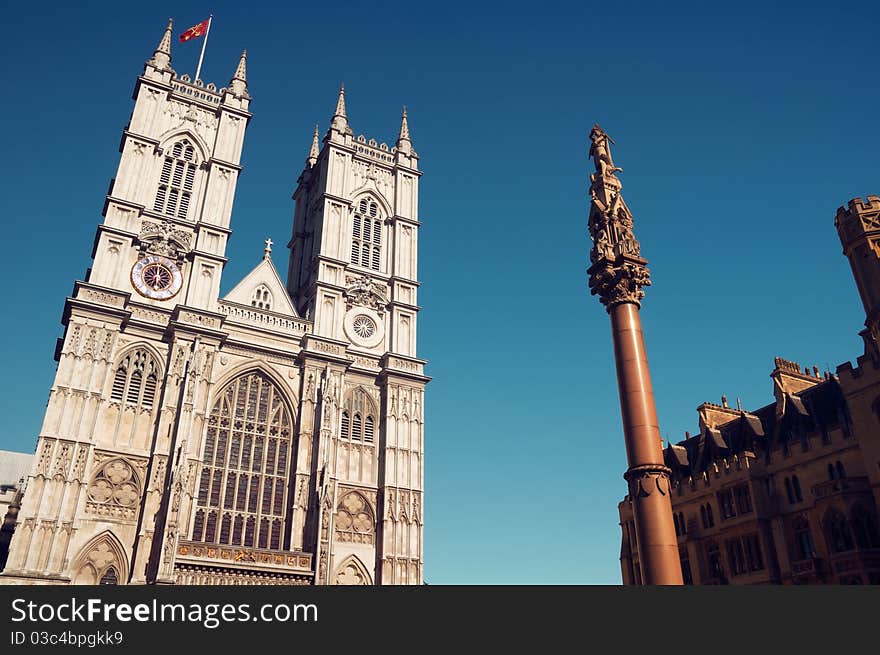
(358, 422)
(109, 577)
(366, 237)
(864, 527)
(796, 488)
(135, 379)
(710, 516)
(177, 179)
(262, 297)
(242, 494)
(838, 532)
(841, 472)
(803, 539)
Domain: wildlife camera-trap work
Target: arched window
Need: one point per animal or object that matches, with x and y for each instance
(245, 466)
(681, 523)
(262, 297)
(841, 472)
(796, 487)
(865, 528)
(803, 539)
(832, 474)
(709, 515)
(788, 491)
(176, 180)
(366, 237)
(837, 532)
(703, 518)
(358, 421)
(713, 561)
(109, 577)
(136, 379)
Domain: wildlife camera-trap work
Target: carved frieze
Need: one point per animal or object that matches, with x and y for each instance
(363, 292)
(164, 239)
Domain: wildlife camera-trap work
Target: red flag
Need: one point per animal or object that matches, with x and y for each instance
(195, 31)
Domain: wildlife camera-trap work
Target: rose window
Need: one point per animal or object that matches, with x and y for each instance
(364, 326)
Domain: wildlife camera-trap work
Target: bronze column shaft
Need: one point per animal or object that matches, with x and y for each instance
(647, 475)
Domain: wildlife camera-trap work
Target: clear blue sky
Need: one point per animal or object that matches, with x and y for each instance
(740, 129)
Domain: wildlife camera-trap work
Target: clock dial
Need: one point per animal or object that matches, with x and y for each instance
(156, 277)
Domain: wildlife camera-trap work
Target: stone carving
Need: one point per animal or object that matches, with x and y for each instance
(351, 573)
(164, 239)
(619, 284)
(114, 490)
(80, 466)
(646, 479)
(62, 460)
(205, 122)
(618, 273)
(364, 292)
(354, 519)
(45, 456)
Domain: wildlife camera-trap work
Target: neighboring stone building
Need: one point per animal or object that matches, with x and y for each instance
(272, 436)
(14, 469)
(788, 493)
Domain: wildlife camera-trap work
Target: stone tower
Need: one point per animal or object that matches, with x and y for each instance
(263, 437)
(353, 272)
(858, 225)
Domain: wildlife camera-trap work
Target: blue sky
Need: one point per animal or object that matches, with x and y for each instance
(740, 129)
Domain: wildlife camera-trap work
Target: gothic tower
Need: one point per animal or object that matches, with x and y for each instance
(263, 437)
(353, 272)
(858, 226)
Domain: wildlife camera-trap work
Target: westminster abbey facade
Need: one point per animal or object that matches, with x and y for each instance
(270, 436)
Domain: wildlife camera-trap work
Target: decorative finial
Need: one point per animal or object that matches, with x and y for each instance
(618, 272)
(404, 144)
(314, 151)
(267, 251)
(238, 83)
(162, 56)
(340, 119)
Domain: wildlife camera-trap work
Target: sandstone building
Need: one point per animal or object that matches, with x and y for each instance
(270, 436)
(788, 493)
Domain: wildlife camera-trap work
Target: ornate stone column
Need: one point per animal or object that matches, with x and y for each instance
(617, 275)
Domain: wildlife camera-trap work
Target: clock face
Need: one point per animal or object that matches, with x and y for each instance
(156, 277)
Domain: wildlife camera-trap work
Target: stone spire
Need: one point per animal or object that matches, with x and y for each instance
(618, 272)
(404, 144)
(162, 56)
(314, 151)
(340, 119)
(238, 83)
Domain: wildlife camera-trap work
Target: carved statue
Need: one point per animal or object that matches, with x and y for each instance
(601, 153)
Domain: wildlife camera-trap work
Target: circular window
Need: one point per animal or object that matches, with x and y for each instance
(364, 326)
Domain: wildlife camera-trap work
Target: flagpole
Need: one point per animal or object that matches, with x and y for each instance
(204, 43)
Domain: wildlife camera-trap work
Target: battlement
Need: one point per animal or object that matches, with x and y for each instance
(197, 89)
(857, 207)
(369, 148)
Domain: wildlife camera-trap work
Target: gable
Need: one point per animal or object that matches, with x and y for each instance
(272, 293)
